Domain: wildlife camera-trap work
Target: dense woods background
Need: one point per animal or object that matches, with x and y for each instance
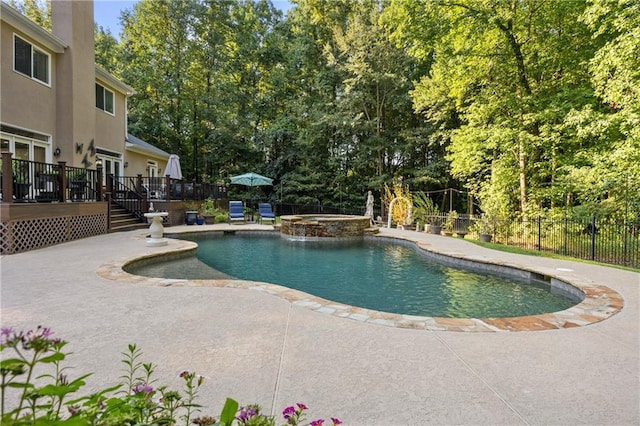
(530, 106)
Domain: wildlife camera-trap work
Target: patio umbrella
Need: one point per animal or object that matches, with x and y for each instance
(251, 179)
(173, 167)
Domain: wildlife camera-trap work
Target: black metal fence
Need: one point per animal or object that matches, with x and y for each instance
(163, 188)
(292, 209)
(599, 240)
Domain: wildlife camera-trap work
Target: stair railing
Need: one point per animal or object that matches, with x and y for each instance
(129, 197)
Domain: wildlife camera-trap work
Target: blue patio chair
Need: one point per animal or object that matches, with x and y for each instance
(266, 212)
(236, 211)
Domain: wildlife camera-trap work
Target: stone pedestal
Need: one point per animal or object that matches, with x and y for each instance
(156, 229)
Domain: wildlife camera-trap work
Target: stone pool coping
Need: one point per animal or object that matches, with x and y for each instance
(599, 303)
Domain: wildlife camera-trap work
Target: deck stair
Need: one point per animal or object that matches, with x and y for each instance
(123, 220)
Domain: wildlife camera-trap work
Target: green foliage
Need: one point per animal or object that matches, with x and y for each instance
(39, 11)
(132, 402)
(208, 207)
(228, 414)
(450, 222)
(506, 87)
(424, 210)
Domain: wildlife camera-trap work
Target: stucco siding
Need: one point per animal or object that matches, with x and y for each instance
(110, 129)
(26, 103)
(138, 164)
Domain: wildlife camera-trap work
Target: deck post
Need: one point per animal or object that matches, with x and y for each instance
(99, 189)
(108, 200)
(7, 178)
(167, 186)
(63, 180)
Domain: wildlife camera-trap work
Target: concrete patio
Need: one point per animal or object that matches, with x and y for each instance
(260, 348)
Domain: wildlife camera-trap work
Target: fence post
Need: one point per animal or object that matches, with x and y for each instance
(7, 178)
(539, 233)
(594, 231)
(566, 236)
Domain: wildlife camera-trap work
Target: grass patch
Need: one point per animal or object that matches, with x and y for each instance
(518, 250)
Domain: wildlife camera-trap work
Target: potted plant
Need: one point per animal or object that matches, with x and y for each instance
(486, 228)
(450, 223)
(21, 182)
(191, 213)
(426, 212)
(77, 183)
(209, 211)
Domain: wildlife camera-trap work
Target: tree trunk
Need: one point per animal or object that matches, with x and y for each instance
(522, 165)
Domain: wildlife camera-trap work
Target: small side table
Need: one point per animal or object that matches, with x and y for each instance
(156, 229)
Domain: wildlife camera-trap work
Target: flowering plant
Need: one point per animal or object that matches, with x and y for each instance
(45, 398)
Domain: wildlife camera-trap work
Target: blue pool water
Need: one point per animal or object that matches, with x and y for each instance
(380, 276)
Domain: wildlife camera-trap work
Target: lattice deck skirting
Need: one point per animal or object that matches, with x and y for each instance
(23, 235)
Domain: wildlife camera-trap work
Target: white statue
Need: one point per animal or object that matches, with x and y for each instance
(369, 210)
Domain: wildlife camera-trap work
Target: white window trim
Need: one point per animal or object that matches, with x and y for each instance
(116, 160)
(12, 138)
(152, 165)
(113, 95)
(33, 46)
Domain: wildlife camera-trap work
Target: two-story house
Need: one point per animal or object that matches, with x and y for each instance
(58, 107)
(57, 104)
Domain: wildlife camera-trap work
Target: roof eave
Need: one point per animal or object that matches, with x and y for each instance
(142, 150)
(30, 28)
(103, 75)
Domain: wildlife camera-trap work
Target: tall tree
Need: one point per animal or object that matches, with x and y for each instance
(513, 71)
(609, 176)
(39, 11)
(158, 49)
(107, 51)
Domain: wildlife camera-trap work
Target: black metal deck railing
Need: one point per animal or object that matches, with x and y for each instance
(23, 181)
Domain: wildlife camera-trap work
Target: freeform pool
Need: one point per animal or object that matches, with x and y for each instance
(380, 276)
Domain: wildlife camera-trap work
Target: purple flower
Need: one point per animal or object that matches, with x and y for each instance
(318, 422)
(45, 332)
(336, 421)
(288, 412)
(245, 414)
(73, 409)
(142, 388)
(301, 406)
(5, 332)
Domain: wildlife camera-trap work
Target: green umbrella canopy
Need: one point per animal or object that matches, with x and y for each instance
(251, 179)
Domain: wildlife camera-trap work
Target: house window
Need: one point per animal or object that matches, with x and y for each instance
(35, 148)
(104, 99)
(30, 61)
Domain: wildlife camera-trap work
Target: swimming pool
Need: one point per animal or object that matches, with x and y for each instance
(376, 275)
